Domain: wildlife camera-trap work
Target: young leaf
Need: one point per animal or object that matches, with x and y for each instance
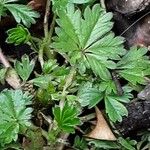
(14, 116)
(66, 118)
(115, 109)
(108, 87)
(49, 66)
(22, 13)
(25, 67)
(42, 81)
(18, 35)
(89, 96)
(127, 144)
(88, 37)
(80, 143)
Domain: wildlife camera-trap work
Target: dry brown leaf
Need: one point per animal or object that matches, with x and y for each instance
(101, 131)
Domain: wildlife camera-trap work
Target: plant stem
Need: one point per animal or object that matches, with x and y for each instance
(50, 54)
(46, 17)
(43, 45)
(48, 35)
(67, 84)
(103, 4)
(52, 27)
(69, 79)
(63, 136)
(87, 117)
(41, 60)
(33, 45)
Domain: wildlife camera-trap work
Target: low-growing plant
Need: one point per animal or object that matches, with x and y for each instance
(80, 78)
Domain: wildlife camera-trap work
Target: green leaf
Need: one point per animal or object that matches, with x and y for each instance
(59, 4)
(127, 144)
(87, 40)
(24, 68)
(133, 75)
(134, 65)
(42, 81)
(89, 96)
(100, 67)
(132, 58)
(14, 116)
(115, 109)
(49, 66)
(105, 144)
(108, 87)
(18, 35)
(80, 143)
(66, 118)
(22, 13)
(2, 10)
(36, 140)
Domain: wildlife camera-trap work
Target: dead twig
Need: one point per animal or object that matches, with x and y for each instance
(11, 75)
(3, 60)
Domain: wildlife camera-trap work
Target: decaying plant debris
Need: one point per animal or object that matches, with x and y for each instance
(75, 74)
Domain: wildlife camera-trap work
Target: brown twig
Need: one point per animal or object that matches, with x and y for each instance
(63, 136)
(3, 60)
(11, 75)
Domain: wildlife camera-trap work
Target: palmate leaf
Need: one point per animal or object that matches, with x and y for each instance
(134, 66)
(114, 104)
(87, 39)
(14, 116)
(24, 68)
(66, 118)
